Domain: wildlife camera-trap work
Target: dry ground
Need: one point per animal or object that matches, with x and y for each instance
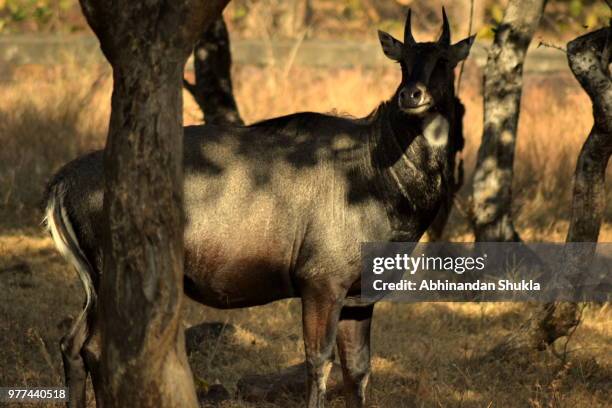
(425, 355)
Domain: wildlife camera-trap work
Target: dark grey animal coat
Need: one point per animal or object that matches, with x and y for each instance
(279, 209)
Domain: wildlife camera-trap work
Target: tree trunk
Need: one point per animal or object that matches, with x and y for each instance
(589, 57)
(212, 64)
(143, 361)
(492, 197)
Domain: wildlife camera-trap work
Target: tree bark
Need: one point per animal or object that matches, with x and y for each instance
(589, 57)
(492, 184)
(143, 361)
(212, 64)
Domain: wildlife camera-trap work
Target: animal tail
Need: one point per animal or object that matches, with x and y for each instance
(58, 224)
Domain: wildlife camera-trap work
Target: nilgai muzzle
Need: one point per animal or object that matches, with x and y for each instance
(279, 209)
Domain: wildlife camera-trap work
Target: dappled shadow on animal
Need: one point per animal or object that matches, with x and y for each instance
(280, 208)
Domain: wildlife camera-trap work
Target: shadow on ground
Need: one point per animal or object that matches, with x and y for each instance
(424, 355)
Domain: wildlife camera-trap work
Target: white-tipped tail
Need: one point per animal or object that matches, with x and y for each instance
(58, 224)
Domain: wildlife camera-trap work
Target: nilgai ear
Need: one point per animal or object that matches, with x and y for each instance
(460, 51)
(391, 46)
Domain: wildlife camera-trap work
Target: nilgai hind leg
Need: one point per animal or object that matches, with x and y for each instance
(353, 340)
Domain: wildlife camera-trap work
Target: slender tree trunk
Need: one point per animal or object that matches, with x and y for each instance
(588, 57)
(212, 64)
(492, 197)
(143, 361)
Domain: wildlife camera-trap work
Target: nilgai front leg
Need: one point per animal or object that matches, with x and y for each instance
(320, 313)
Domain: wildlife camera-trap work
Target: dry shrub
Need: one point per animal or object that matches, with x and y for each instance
(555, 124)
(555, 120)
(46, 121)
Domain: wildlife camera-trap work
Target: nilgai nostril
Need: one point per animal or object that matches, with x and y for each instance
(280, 208)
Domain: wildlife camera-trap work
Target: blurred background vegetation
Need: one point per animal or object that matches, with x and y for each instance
(425, 355)
(322, 18)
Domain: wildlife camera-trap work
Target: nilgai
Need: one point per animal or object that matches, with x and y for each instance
(279, 209)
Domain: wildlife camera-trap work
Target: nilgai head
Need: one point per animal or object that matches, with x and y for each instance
(427, 68)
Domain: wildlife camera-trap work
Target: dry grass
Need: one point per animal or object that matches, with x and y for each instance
(425, 355)
(45, 122)
(46, 118)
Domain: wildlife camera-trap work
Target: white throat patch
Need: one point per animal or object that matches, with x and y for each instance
(435, 129)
